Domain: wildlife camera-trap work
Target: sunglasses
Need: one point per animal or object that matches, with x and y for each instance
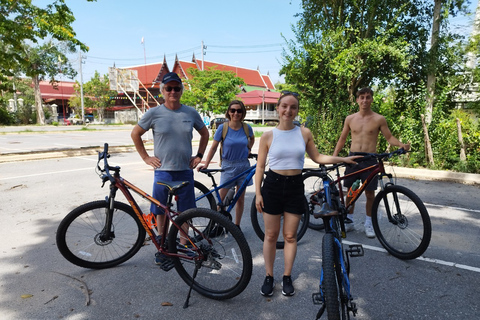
(291, 93)
(176, 89)
(239, 111)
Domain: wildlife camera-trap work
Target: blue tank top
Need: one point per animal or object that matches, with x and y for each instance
(287, 150)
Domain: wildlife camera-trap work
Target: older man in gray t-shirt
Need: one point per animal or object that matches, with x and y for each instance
(172, 124)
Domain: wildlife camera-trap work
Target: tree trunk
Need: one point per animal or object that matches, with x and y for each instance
(38, 101)
(428, 145)
(431, 79)
(463, 157)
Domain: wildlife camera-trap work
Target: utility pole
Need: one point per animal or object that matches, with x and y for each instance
(81, 85)
(203, 54)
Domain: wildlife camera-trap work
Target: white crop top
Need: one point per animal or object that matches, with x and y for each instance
(287, 150)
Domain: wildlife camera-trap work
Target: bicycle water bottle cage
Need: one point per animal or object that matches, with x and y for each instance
(326, 211)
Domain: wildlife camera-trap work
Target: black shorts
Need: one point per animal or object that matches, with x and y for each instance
(364, 175)
(283, 194)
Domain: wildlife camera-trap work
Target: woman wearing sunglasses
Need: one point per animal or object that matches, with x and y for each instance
(236, 146)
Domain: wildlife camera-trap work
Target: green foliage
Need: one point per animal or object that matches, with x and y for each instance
(97, 95)
(211, 90)
(341, 46)
(5, 117)
(21, 22)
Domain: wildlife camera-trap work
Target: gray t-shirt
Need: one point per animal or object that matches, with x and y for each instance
(172, 134)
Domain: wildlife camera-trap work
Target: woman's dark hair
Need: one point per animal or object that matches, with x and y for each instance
(240, 103)
(286, 94)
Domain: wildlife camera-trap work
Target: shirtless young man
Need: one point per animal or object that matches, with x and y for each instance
(365, 125)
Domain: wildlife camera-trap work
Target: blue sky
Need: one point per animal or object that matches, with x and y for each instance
(244, 33)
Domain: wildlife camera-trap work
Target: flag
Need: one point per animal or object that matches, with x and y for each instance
(142, 41)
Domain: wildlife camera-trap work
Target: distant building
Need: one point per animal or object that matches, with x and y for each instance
(258, 94)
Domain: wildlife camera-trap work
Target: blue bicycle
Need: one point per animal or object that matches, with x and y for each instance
(206, 198)
(334, 295)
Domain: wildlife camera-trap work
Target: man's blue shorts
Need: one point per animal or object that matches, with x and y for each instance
(186, 195)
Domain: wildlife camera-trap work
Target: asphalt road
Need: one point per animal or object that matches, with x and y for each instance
(38, 283)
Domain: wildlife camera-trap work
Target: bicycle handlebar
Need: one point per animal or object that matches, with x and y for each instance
(366, 156)
(106, 167)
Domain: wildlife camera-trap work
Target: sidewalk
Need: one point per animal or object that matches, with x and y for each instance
(400, 172)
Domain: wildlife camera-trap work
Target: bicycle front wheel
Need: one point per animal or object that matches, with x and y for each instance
(314, 194)
(331, 285)
(225, 267)
(401, 222)
(259, 226)
(82, 238)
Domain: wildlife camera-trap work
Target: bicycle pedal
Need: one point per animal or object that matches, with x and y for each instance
(355, 250)
(317, 298)
(353, 308)
(167, 265)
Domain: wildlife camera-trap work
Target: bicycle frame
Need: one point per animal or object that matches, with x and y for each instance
(376, 169)
(250, 172)
(119, 183)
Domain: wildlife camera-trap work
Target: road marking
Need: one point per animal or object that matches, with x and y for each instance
(436, 261)
(70, 170)
(448, 207)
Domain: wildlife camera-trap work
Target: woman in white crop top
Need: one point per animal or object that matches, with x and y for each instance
(282, 191)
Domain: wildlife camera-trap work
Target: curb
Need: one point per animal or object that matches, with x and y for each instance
(65, 153)
(399, 172)
(425, 174)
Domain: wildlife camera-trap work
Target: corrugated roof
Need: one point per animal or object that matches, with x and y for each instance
(62, 90)
(257, 97)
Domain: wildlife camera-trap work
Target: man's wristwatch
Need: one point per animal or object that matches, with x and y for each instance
(200, 155)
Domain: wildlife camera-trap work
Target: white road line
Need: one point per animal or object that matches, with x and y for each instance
(70, 170)
(436, 261)
(456, 208)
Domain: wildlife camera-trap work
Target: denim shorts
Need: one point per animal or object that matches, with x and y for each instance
(232, 168)
(364, 175)
(283, 194)
(186, 195)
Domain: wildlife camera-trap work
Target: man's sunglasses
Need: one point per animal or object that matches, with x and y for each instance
(176, 89)
(291, 93)
(240, 111)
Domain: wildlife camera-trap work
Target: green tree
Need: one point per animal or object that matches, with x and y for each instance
(344, 45)
(21, 22)
(211, 90)
(97, 94)
(47, 61)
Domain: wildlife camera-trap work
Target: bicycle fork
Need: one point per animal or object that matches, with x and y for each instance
(354, 250)
(108, 232)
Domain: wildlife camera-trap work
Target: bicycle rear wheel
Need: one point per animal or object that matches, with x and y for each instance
(331, 285)
(314, 194)
(259, 227)
(401, 222)
(82, 240)
(226, 267)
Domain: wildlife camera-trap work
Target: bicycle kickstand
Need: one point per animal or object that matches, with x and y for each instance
(197, 266)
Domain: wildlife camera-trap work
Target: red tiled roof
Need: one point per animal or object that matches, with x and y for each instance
(250, 76)
(61, 90)
(181, 68)
(256, 97)
(268, 81)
